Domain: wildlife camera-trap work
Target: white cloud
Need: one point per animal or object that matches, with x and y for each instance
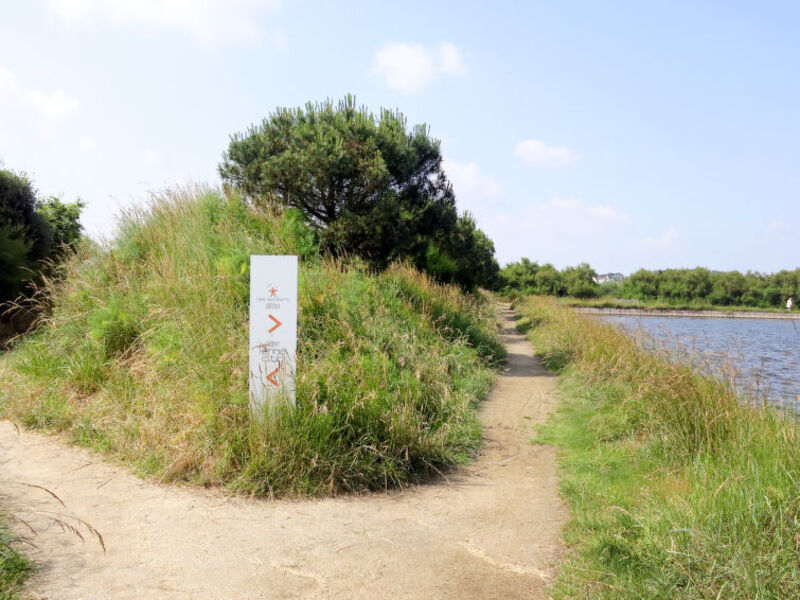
(539, 154)
(207, 20)
(9, 86)
(665, 241)
(468, 181)
(405, 67)
(777, 225)
(561, 230)
(411, 67)
(575, 216)
(609, 214)
(54, 106)
(87, 144)
(450, 61)
(565, 203)
(479, 194)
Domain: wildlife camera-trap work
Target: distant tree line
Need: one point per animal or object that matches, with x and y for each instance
(671, 286)
(35, 233)
(367, 184)
(527, 277)
(724, 288)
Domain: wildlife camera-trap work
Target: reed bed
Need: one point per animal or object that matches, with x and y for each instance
(696, 305)
(678, 488)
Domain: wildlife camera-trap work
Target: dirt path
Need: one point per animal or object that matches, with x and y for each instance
(492, 530)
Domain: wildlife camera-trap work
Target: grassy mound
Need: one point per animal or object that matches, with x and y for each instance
(145, 358)
(677, 489)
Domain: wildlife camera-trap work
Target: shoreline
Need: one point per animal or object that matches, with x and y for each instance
(672, 312)
(653, 445)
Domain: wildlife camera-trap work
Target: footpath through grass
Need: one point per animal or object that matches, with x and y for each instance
(676, 489)
(145, 358)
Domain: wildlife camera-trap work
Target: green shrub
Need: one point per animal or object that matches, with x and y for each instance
(368, 185)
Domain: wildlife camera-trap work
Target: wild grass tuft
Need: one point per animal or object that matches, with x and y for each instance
(145, 356)
(14, 567)
(678, 490)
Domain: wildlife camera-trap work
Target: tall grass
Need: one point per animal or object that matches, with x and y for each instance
(145, 356)
(13, 566)
(677, 489)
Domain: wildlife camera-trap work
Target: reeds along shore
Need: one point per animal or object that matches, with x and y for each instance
(678, 489)
(681, 312)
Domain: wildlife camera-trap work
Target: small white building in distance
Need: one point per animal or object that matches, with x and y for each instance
(605, 277)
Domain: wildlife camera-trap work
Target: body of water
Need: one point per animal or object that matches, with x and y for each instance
(761, 356)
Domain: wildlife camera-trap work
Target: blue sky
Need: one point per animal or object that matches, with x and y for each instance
(623, 134)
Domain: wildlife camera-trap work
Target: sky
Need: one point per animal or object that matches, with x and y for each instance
(623, 134)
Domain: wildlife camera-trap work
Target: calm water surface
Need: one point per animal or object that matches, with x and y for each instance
(761, 356)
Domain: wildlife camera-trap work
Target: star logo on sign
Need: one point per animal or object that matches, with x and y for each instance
(273, 291)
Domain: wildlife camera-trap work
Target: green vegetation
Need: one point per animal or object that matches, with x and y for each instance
(13, 566)
(144, 357)
(369, 187)
(527, 277)
(33, 231)
(689, 289)
(616, 302)
(677, 490)
(35, 235)
(731, 288)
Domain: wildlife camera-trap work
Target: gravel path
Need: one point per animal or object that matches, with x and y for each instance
(489, 530)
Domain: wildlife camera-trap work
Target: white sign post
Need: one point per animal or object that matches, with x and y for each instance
(273, 330)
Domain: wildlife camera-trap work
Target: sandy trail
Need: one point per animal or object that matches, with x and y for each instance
(491, 530)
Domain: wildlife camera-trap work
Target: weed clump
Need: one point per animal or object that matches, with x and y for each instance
(144, 357)
(14, 567)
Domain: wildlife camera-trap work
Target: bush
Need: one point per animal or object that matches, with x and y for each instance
(14, 250)
(35, 235)
(366, 184)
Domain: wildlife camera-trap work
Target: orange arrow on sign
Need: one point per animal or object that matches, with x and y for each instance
(277, 324)
(271, 377)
